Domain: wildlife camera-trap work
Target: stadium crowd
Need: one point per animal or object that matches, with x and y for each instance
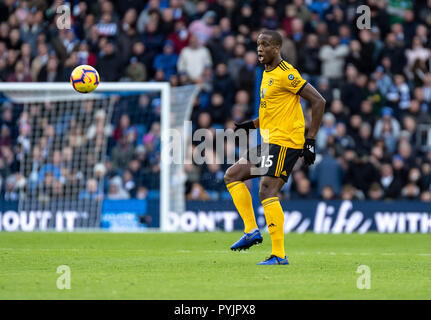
(377, 84)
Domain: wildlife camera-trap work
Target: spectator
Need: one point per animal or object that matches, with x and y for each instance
(54, 167)
(31, 28)
(151, 10)
(383, 80)
(390, 184)
(322, 32)
(345, 34)
(288, 49)
(223, 83)
(302, 12)
(15, 41)
(349, 192)
(193, 59)
(218, 109)
(355, 57)
(26, 56)
(92, 191)
(127, 35)
(309, 62)
(327, 129)
(427, 87)
(327, 193)
(375, 96)
(70, 64)
(269, 20)
(247, 73)
(368, 49)
(426, 176)
(65, 43)
(387, 128)
(122, 127)
(51, 72)
(333, 57)
(353, 93)
(122, 153)
(136, 71)
(236, 62)
(202, 28)
(152, 39)
(5, 138)
(406, 152)
(197, 192)
(364, 143)
(246, 16)
(144, 56)
(328, 173)
(212, 177)
(106, 26)
(375, 192)
(425, 196)
(116, 190)
(398, 96)
(242, 104)
(303, 190)
(366, 112)
(290, 14)
(11, 189)
(167, 61)
(342, 140)
(109, 63)
(215, 45)
(20, 75)
(298, 34)
(180, 36)
(394, 51)
(417, 58)
(167, 19)
(360, 172)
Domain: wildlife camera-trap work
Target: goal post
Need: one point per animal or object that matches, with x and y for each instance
(58, 102)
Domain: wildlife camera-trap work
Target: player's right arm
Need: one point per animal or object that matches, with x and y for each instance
(247, 125)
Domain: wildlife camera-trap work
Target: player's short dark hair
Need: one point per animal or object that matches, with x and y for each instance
(276, 38)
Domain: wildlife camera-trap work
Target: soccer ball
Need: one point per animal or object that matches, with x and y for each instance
(84, 79)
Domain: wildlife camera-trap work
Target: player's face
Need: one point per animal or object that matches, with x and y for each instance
(266, 50)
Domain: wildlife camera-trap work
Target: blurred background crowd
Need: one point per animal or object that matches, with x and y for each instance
(375, 140)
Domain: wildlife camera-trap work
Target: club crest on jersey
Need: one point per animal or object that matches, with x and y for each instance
(262, 93)
(291, 77)
(270, 82)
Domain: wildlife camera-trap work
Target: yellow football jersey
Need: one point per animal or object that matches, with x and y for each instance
(281, 120)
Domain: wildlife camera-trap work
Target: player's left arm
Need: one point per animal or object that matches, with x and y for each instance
(317, 103)
(294, 83)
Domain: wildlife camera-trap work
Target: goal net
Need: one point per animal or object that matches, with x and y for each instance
(75, 150)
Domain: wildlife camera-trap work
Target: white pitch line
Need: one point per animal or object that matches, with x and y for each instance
(300, 253)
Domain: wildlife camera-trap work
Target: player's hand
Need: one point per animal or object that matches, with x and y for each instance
(247, 125)
(309, 151)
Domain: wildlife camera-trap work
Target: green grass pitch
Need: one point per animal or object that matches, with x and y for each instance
(201, 266)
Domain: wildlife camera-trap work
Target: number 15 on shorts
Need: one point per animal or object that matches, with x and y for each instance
(267, 161)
